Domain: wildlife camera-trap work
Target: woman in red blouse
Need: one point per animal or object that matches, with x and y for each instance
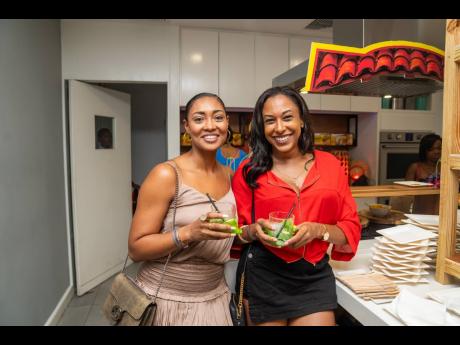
(293, 284)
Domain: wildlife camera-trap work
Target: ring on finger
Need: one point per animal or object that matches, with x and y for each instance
(203, 217)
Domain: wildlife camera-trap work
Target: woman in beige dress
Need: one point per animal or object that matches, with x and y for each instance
(194, 290)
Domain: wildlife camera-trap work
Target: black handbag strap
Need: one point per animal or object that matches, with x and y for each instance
(176, 195)
(243, 274)
(253, 220)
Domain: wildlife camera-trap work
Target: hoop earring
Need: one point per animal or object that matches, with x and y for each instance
(229, 136)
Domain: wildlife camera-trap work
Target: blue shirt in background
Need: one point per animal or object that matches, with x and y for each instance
(233, 163)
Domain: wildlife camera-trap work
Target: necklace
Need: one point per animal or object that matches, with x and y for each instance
(305, 169)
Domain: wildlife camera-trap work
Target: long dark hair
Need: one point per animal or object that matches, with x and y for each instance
(427, 143)
(197, 97)
(261, 159)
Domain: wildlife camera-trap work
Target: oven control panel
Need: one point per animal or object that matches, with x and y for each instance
(402, 137)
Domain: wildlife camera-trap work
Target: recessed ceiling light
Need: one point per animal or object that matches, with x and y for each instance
(196, 58)
(387, 96)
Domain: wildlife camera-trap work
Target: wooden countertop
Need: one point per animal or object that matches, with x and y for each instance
(391, 190)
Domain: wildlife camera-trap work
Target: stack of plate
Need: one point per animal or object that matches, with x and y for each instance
(431, 223)
(402, 253)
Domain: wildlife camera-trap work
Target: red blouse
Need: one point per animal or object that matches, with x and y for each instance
(324, 197)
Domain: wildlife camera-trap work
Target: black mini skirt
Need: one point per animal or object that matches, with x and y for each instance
(277, 290)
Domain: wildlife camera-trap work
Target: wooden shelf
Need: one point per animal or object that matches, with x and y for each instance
(454, 161)
(452, 265)
(391, 190)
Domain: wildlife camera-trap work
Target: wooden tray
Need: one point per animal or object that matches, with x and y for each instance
(394, 217)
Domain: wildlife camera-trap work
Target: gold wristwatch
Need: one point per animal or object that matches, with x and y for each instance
(326, 233)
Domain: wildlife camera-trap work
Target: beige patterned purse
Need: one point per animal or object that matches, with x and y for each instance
(127, 304)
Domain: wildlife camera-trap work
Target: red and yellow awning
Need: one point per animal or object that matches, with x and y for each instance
(332, 65)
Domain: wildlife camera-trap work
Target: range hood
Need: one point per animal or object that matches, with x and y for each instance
(373, 57)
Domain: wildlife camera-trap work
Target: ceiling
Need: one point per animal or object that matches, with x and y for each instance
(275, 26)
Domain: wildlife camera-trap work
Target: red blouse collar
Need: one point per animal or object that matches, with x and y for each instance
(312, 176)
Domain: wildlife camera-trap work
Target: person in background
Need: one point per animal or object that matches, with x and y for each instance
(104, 139)
(194, 290)
(293, 284)
(427, 169)
(228, 155)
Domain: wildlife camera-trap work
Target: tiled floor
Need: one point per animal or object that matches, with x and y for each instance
(86, 310)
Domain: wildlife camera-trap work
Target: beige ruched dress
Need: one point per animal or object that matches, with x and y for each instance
(194, 290)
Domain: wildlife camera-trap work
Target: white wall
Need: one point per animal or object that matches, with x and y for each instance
(126, 50)
(34, 251)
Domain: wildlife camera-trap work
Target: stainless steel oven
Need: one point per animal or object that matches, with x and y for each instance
(398, 149)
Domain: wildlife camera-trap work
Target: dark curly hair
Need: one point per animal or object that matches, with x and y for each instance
(261, 159)
(427, 143)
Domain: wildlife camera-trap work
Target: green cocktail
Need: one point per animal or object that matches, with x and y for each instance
(229, 221)
(280, 232)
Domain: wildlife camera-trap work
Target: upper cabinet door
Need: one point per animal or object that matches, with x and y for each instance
(237, 69)
(365, 104)
(199, 63)
(335, 102)
(272, 59)
(299, 51)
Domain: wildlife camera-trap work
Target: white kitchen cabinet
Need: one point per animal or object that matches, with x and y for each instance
(199, 63)
(299, 50)
(237, 69)
(365, 104)
(313, 101)
(271, 59)
(335, 102)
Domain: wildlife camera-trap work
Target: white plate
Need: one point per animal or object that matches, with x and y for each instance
(384, 241)
(403, 252)
(413, 183)
(398, 265)
(428, 219)
(398, 250)
(406, 233)
(398, 259)
(394, 272)
(443, 295)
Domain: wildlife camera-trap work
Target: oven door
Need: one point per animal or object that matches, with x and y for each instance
(394, 161)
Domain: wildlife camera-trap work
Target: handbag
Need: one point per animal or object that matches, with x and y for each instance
(127, 304)
(236, 301)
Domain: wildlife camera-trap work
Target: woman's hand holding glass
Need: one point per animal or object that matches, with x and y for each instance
(205, 229)
(257, 231)
(306, 232)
